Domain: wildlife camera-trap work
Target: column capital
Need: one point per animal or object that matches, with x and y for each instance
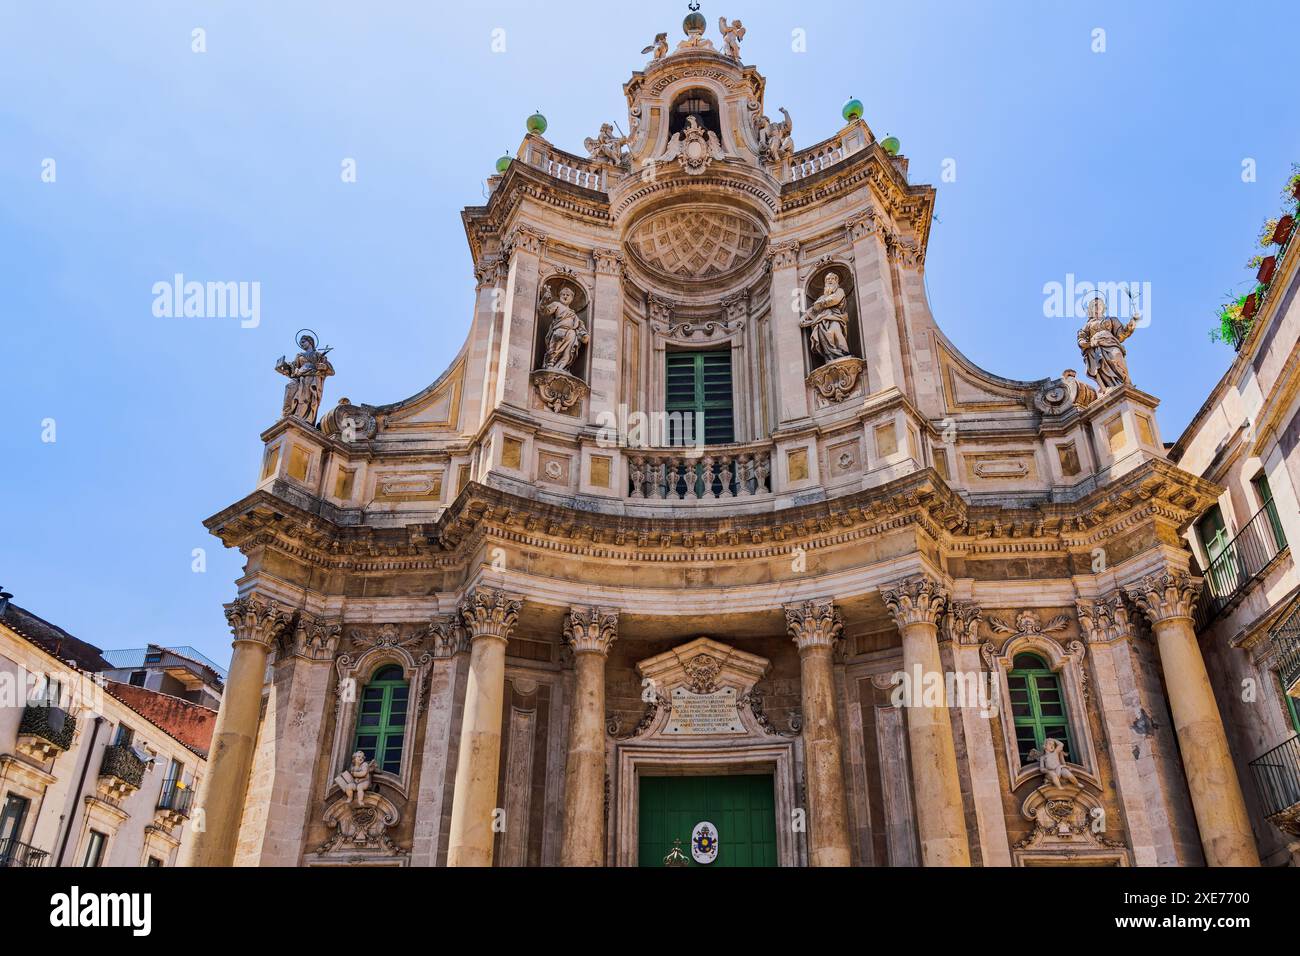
(784, 255)
(489, 612)
(1165, 595)
(962, 622)
(591, 630)
(813, 624)
(315, 638)
(1104, 620)
(256, 620)
(917, 600)
(609, 262)
(451, 634)
(524, 238)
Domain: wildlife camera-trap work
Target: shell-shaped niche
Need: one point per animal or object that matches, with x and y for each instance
(697, 242)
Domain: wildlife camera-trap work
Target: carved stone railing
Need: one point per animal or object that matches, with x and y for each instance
(816, 158)
(566, 167)
(708, 474)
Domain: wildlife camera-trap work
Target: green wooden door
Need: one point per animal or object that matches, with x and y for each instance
(742, 807)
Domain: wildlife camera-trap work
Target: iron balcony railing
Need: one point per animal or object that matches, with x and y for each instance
(14, 853)
(1277, 777)
(1245, 557)
(1286, 641)
(177, 798)
(52, 724)
(122, 763)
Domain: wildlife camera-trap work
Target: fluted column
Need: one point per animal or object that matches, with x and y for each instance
(1167, 599)
(917, 605)
(590, 632)
(255, 623)
(489, 617)
(815, 627)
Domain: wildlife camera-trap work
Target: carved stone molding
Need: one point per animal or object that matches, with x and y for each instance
(524, 239)
(314, 638)
(350, 422)
(256, 619)
(1166, 595)
(1069, 821)
(754, 701)
(609, 262)
(736, 308)
(962, 622)
(863, 224)
(1027, 622)
(591, 630)
(918, 600)
(489, 612)
(835, 381)
(814, 624)
(713, 330)
(1059, 395)
(659, 309)
(784, 255)
(358, 832)
(1105, 620)
(559, 391)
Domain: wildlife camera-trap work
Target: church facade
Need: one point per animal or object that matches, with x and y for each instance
(709, 548)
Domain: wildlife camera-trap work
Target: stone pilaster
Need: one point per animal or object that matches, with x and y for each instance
(878, 315)
(1168, 599)
(590, 632)
(489, 617)
(917, 605)
(518, 329)
(787, 337)
(815, 626)
(255, 622)
(606, 330)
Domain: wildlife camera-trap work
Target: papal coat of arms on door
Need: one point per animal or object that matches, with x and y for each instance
(704, 842)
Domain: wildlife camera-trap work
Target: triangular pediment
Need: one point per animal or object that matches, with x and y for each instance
(704, 665)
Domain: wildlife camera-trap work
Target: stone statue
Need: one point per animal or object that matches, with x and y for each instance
(606, 147)
(776, 139)
(1051, 762)
(355, 780)
(567, 332)
(829, 321)
(307, 374)
(659, 47)
(1100, 341)
(731, 37)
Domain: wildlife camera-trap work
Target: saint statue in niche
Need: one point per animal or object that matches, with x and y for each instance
(307, 374)
(828, 320)
(567, 332)
(1100, 342)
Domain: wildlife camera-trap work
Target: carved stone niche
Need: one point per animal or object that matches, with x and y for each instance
(360, 834)
(1069, 826)
(834, 378)
(704, 690)
(558, 376)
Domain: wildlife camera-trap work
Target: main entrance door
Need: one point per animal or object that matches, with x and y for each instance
(740, 806)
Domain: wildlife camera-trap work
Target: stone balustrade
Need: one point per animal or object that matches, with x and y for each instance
(816, 158)
(566, 167)
(700, 475)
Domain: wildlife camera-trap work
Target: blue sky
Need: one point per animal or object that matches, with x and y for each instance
(225, 165)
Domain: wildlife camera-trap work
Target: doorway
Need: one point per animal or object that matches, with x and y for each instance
(741, 807)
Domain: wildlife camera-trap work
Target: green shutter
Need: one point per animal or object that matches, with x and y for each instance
(1038, 707)
(699, 383)
(381, 719)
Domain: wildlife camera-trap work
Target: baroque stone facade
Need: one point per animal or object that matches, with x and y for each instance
(893, 608)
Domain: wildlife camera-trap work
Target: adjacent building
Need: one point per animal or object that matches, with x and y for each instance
(709, 546)
(176, 671)
(92, 772)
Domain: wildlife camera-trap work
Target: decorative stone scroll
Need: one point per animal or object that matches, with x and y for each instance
(1068, 822)
(361, 831)
(1059, 395)
(559, 391)
(835, 381)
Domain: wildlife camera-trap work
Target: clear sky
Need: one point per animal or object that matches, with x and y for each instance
(225, 165)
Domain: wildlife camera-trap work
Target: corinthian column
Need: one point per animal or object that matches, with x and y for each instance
(489, 617)
(815, 627)
(255, 622)
(917, 605)
(590, 631)
(1167, 599)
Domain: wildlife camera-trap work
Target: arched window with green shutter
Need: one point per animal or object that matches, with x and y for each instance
(381, 718)
(1038, 706)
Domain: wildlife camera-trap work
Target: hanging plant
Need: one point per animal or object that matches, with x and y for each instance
(1266, 233)
(1230, 321)
(1292, 188)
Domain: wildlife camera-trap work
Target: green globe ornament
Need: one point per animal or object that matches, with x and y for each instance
(852, 110)
(503, 163)
(694, 24)
(890, 145)
(537, 124)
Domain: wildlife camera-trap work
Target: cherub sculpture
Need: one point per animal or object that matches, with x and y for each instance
(659, 47)
(1100, 342)
(829, 322)
(606, 147)
(355, 780)
(567, 332)
(307, 374)
(1051, 762)
(731, 37)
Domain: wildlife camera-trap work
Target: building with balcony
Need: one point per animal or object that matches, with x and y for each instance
(177, 671)
(92, 772)
(709, 538)
(1245, 439)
